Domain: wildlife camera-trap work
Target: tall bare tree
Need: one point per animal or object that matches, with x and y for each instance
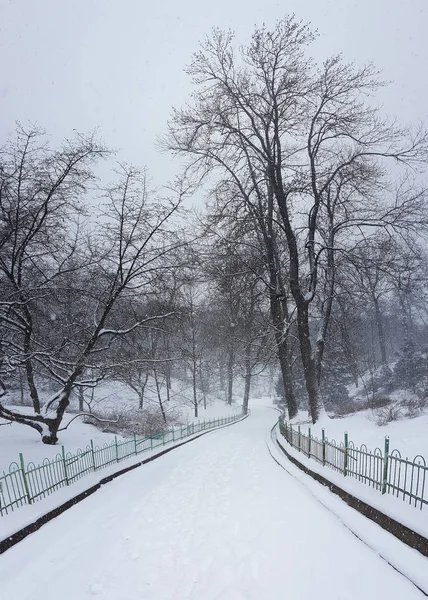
(45, 258)
(265, 114)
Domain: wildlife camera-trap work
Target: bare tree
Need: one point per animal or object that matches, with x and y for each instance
(267, 114)
(40, 264)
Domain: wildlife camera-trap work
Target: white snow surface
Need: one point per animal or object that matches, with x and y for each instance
(215, 519)
(16, 438)
(409, 436)
(389, 504)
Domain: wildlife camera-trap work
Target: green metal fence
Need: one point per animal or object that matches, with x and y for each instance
(27, 483)
(384, 470)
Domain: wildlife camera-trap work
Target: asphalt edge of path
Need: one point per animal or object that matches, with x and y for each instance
(19, 535)
(404, 534)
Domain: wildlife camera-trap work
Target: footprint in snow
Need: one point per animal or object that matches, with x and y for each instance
(95, 588)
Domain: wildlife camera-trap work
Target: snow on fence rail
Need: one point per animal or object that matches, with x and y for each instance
(25, 484)
(386, 471)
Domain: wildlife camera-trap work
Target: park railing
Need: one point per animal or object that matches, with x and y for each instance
(26, 483)
(384, 470)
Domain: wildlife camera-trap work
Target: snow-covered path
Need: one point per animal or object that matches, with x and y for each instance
(214, 519)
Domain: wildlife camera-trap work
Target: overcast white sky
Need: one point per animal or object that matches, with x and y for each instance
(118, 64)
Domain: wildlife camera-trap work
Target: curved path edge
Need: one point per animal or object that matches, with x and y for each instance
(19, 535)
(404, 534)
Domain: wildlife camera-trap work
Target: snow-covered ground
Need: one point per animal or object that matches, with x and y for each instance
(396, 508)
(108, 397)
(216, 519)
(15, 438)
(409, 436)
(27, 514)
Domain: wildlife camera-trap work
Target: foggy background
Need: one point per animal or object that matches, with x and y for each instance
(118, 65)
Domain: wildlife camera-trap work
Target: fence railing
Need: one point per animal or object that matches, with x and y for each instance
(384, 470)
(27, 483)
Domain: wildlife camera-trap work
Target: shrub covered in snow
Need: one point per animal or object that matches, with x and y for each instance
(128, 422)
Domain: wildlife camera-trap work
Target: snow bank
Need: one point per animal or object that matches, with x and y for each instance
(409, 436)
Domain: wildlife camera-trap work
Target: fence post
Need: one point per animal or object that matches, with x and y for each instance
(93, 455)
(385, 465)
(309, 442)
(345, 455)
(24, 477)
(135, 443)
(323, 446)
(65, 465)
(298, 431)
(173, 434)
(117, 452)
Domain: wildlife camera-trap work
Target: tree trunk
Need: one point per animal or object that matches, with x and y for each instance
(230, 363)
(81, 399)
(221, 374)
(155, 373)
(248, 376)
(309, 364)
(380, 332)
(202, 382)
(21, 386)
(142, 390)
(279, 310)
(30, 380)
(283, 357)
(195, 393)
(327, 308)
(302, 303)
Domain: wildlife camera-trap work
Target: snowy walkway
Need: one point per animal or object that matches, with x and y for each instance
(215, 519)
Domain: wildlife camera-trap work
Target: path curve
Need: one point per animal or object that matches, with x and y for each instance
(216, 519)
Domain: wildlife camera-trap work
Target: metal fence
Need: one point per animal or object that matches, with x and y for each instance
(385, 470)
(27, 483)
